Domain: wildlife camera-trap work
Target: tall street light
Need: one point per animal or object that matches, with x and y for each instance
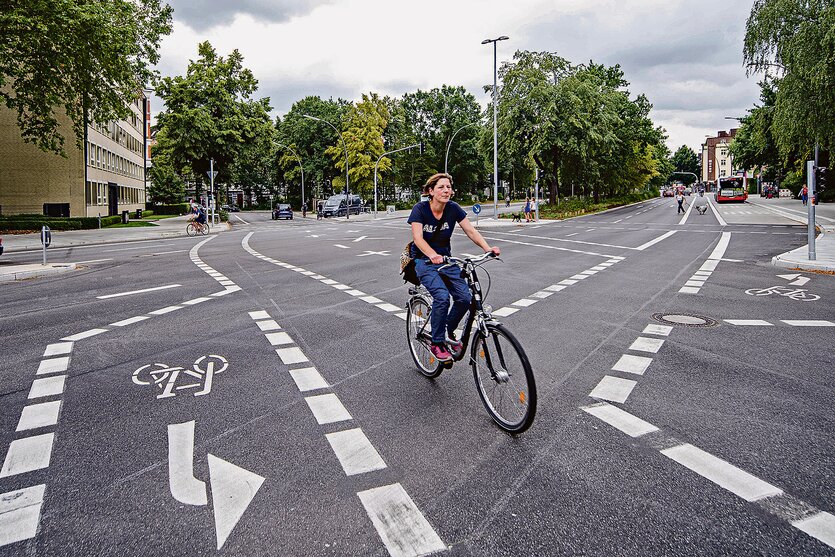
(495, 129)
(298, 158)
(347, 199)
(446, 158)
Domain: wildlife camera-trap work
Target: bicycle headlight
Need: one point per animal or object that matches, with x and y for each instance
(487, 308)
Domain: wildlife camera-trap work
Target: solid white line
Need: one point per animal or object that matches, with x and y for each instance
(722, 473)
(663, 330)
(196, 301)
(291, 355)
(820, 526)
(651, 243)
(39, 415)
(140, 247)
(85, 334)
(277, 339)
(686, 214)
(620, 419)
(743, 322)
(268, 325)
(138, 291)
(632, 364)
(25, 455)
(716, 214)
(327, 408)
(808, 323)
(719, 250)
(163, 311)
(548, 247)
(58, 349)
(613, 389)
(402, 527)
(240, 219)
(646, 344)
(54, 365)
(20, 513)
(129, 321)
(47, 386)
(341, 246)
(355, 452)
(308, 379)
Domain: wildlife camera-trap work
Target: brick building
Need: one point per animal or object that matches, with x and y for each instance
(105, 177)
(717, 160)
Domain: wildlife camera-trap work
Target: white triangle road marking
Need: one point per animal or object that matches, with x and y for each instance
(789, 277)
(233, 489)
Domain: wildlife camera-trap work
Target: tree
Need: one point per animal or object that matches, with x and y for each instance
(686, 160)
(84, 59)
(166, 185)
(209, 114)
(798, 38)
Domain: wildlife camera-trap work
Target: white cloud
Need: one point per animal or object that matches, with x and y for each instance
(685, 56)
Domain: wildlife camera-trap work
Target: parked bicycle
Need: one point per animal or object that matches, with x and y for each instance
(503, 375)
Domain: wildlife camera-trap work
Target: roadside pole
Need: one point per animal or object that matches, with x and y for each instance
(810, 187)
(46, 239)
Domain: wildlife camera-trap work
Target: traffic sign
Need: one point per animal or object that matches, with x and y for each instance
(46, 236)
(476, 208)
(212, 174)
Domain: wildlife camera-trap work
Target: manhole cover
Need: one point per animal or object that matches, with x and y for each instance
(684, 319)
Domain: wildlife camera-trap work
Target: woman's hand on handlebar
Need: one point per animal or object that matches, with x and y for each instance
(496, 251)
(436, 259)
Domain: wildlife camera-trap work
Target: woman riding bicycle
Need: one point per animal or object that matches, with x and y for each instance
(432, 224)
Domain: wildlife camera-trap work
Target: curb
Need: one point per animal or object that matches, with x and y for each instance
(33, 272)
(794, 260)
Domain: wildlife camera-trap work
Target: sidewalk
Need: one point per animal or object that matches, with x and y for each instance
(799, 258)
(166, 228)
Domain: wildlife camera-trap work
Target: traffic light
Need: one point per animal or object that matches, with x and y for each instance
(820, 178)
(421, 148)
(490, 178)
(539, 173)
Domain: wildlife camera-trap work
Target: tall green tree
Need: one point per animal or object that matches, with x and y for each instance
(796, 40)
(210, 114)
(85, 59)
(686, 160)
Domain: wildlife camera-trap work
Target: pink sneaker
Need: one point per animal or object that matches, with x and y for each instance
(453, 343)
(441, 353)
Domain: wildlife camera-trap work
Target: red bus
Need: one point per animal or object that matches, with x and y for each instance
(732, 188)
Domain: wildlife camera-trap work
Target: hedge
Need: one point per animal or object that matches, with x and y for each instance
(35, 222)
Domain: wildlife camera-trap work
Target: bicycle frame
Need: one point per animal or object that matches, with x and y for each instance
(476, 311)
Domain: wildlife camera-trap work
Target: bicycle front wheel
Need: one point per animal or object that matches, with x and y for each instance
(191, 230)
(504, 378)
(419, 335)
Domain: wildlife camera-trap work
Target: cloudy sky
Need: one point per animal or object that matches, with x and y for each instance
(686, 56)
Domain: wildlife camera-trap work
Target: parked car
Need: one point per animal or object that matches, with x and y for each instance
(335, 205)
(283, 211)
(668, 192)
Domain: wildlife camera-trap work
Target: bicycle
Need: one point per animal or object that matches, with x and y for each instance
(194, 228)
(501, 369)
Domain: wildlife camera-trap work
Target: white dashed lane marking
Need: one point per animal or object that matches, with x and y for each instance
(355, 452)
(20, 513)
(617, 418)
(613, 389)
(27, 454)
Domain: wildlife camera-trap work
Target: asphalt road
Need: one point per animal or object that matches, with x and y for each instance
(261, 399)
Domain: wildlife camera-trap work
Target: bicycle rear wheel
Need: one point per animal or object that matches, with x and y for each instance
(191, 230)
(504, 379)
(204, 228)
(418, 333)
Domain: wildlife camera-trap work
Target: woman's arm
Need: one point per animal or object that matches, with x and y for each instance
(476, 236)
(423, 245)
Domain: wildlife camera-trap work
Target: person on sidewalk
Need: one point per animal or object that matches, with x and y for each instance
(680, 201)
(804, 194)
(527, 209)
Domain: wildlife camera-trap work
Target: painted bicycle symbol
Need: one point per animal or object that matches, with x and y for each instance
(174, 378)
(792, 293)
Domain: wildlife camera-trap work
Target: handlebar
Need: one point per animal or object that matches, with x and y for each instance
(449, 260)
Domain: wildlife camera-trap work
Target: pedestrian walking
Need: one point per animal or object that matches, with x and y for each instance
(804, 194)
(527, 209)
(680, 201)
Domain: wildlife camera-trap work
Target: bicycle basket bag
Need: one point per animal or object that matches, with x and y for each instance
(407, 265)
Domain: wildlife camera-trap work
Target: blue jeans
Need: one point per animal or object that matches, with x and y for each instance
(440, 287)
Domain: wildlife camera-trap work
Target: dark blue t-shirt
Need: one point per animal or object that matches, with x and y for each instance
(422, 213)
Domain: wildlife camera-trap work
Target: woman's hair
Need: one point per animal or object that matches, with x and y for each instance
(430, 183)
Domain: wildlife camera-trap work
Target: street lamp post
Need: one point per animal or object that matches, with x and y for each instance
(347, 198)
(298, 158)
(446, 158)
(376, 164)
(495, 129)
